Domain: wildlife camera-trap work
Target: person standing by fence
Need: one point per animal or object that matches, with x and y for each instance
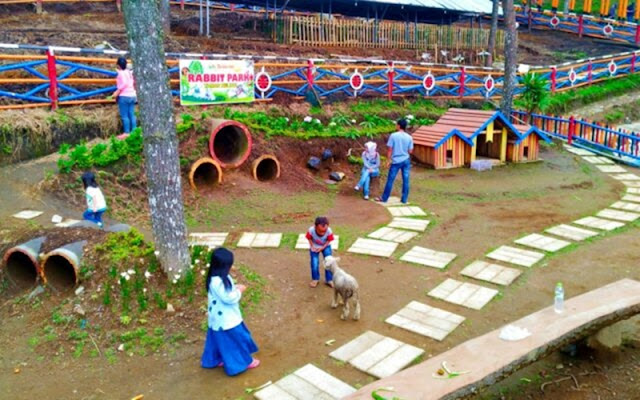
(400, 146)
(125, 96)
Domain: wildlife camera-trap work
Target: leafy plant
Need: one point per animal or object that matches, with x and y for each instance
(535, 92)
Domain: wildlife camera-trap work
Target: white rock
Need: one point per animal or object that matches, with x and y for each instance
(121, 347)
(79, 290)
(78, 309)
(170, 308)
(56, 219)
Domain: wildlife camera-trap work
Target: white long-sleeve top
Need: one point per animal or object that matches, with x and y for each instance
(223, 305)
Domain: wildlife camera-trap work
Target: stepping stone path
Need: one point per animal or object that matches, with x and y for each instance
(633, 190)
(630, 197)
(393, 235)
(631, 184)
(412, 224)
(377, 355)
(67, 223)
(626, 177)
(611, 169)
(626, 206)
(27, 214)
(392, 202)
(618, 215)
(464, 294)
(513, 255)
(428, 257)
(303, 243)
(407, 211)
(599, 223)
(373, 247)
(597, 160)
(211, 239)
(571, 232)
(493, 273)
(578, 151)
(542, 242)
(425, 320)
(308, 382)
(258, 240)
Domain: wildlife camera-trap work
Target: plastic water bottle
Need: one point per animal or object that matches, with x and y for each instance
(558, 304)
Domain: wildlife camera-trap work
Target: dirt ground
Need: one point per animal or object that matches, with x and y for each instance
(66, 25)
(471, 213)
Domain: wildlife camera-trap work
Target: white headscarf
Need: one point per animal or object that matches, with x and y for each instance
(371, 149)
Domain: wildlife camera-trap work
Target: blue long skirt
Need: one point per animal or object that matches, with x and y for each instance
(232, 347)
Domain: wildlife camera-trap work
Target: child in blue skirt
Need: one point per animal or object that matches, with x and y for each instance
(229, 343)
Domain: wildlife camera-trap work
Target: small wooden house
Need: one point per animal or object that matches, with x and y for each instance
(462, 136)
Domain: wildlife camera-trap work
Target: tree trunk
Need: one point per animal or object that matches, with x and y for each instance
(492, 32)
(510, 57)
(165, 16)
(144, 30)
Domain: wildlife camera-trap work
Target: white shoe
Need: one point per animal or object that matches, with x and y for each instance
(366, 197)
(356, 188)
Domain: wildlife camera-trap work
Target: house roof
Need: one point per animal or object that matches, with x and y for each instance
(434, 136)
(526, 130)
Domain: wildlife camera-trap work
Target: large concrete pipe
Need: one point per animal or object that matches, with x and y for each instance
(60, 267)
(230, 143)
(21, 263)
(266, 168)
(205, 173)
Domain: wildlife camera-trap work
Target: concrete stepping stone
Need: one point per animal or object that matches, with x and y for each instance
(597, 160)
(599, 223)
(392, 201)
(514, 255)
(412, 224)
(611, 169)
(425, 320)
(631, 184)
(303, 244)
(373, 247)
(308, 382)
(428, 257)
(377, 355)
(67, 223)
(618, 215)
(578, 151)
(209, 239)
(633, 190)
(407, 211)
(626, 206)
(260, 240)
(393, 235)
(630, 197)
(463, 293)
(571, 232)
(542, 242)
(626, 177)
(27, 214)
(493, 273)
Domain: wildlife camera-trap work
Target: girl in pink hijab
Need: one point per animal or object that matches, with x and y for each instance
(370, 168)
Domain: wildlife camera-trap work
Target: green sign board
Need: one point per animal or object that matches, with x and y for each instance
(216, 82)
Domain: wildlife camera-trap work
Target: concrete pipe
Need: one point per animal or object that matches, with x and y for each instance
(60, 267)
(205, 173)
(230, 143)
(21, 263)
(266, 168)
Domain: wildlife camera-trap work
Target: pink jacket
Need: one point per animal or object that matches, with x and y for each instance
(125, 83)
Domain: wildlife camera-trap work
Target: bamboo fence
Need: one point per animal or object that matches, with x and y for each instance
(313, 31)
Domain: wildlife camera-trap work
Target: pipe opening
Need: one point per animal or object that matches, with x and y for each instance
(21, 270)
(205, 174)
(59, 272)
(266, 168)
(230, 145)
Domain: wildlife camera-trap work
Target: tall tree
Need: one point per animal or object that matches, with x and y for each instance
(145, 33)
(492, 32)
(165, 15)
(510, 57)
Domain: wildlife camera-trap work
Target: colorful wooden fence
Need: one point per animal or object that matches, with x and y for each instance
(610, 141)
(351, 32)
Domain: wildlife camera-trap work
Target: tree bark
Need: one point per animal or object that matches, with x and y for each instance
(510, 58)
(492, 32)
(165, 16)
(145, 34)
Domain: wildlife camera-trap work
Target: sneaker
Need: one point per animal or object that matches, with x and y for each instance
(356, 188)
(366, 197)
(122, 136)
(330, 284)
(254, 364)
(379, 200)
(99, 224)
(313, 284)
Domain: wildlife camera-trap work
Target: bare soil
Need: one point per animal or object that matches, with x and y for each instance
(471, 213)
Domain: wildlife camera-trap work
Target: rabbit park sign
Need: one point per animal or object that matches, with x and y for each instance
(216, 81)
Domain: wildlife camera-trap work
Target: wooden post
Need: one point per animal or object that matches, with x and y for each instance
(390, 74)
(633, 63)
(39, 7)
(310, 74)
(554, 71)
(580, 25)
(182, 5)
(590, 72)
(118, 5)
(503, 145)
(637, 34)
(462, 82)
(572, 130)
(53, 79)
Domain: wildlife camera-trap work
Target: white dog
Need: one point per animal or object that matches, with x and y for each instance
(344, 285)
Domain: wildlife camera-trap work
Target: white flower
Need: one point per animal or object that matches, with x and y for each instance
(191, 266)
(144, 290)
(332, 123)
(308, 119)
(287, 119)
(175, 281)
(317, 121)
(131, 272)
(202, 272)
(157, 253)
(177, 276)
(353, 121)
(198, 261)
(147, 274)
(124, 274)
(127, 277)
(410, 116)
